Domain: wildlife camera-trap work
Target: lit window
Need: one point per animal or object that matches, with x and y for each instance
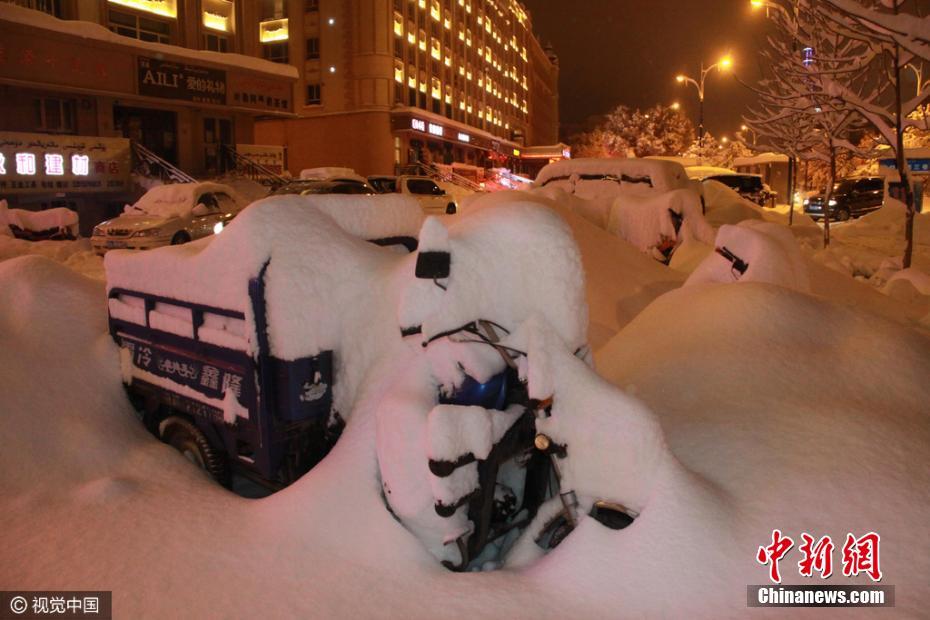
(399, 72)
(398, 24)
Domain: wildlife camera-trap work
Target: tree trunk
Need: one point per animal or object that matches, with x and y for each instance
(792, 181)
(902, 159)
(828, 196)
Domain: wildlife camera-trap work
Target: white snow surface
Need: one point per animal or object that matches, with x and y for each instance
(725, 206)
(176, 199)
(646, 221)
(331, 172)
(664, 175)
(770, 250)
(319, 284)
(749, 442)
(37, 221)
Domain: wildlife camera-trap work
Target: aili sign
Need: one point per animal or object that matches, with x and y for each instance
(173, 80)
(34, 163)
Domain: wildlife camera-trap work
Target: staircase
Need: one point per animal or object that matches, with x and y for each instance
(251, 169)
(148, 164)
(437, 174)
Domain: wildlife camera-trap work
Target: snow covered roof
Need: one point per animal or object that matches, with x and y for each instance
(699, 172)
(762, 158)
(325, 173)
(316, 268)
(663, 175)
(177, 199)
(96, 32)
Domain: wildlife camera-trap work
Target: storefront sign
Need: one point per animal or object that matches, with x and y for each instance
(464, 137)
(270, 157)
(914, 165)
(435, 129)
(41, 163)
(418, 124)
(172, 80)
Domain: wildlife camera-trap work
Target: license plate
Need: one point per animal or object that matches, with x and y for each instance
(116, 244)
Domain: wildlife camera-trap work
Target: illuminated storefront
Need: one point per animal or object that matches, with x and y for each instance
(188, 107)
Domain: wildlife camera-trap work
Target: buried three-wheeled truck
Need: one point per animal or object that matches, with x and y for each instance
(231, 348)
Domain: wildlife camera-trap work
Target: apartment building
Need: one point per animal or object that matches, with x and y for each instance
(389, 83)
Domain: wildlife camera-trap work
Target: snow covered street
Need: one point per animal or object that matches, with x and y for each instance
(769, 408)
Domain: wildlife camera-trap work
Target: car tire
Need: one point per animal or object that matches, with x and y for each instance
(843, 215)
(180, 238)
(182, 435)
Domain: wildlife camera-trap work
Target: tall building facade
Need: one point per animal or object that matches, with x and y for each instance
(82, 80)
(388, 83)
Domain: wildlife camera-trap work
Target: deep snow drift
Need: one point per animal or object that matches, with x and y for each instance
(749, 406)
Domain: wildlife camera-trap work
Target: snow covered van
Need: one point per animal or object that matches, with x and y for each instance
(243, 352)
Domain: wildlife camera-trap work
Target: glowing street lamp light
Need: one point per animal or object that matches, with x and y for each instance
(750, 130)
(676, 106)
(722, 65)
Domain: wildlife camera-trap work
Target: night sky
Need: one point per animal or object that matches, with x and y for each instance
(629, 51)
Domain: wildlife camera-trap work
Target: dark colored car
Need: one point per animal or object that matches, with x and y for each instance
(749, 186)
(851, 198)
(306, 187)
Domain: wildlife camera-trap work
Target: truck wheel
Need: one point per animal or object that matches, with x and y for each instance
(190, 441)
(179, 238)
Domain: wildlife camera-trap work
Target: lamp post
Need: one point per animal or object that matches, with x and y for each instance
(723, 63)
(750, 130)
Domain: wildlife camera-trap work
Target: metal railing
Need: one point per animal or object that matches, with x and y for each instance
(436, 173)
(249, 168)
(148, 164)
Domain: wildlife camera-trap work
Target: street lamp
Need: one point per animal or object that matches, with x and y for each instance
(724, 63)
(750, 130)
(676, 106)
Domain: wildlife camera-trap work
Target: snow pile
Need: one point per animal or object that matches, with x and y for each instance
(909, 285)
(596, 211)
(700, 172)
(319, 283)
(75, 254)
(763, 442)
(612, 300)
(176, 200)
(653, 222)
(331, 172)
(367, 217)
(492, 251)
(768, 253)
(636, 175)
(58, 220)
(725, 206)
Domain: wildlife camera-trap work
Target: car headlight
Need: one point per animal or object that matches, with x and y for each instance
(807, 201)
(148, 232)
(218, 228)
(832, 203)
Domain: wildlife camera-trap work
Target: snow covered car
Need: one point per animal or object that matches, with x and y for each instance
(432, 198)
(54, 224)
(169, 215)
(245, 353)
(305, 187)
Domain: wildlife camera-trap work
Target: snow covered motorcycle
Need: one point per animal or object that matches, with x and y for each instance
(489, 473)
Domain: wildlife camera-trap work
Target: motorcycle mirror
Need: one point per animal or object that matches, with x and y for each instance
(433, 265)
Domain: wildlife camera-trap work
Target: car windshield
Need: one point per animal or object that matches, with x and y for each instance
(844, 186)
(423, 186)
(305, 188)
